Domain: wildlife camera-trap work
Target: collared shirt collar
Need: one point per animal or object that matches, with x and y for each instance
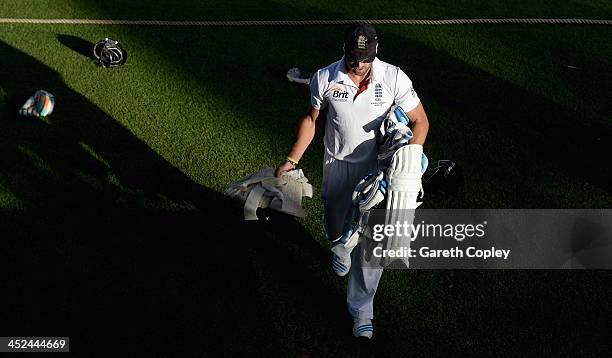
(342, 77)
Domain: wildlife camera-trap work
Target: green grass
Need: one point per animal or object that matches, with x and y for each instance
(285, 9)
(112, 209)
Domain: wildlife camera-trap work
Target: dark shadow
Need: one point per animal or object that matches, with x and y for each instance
(78, 45)
(104, 237)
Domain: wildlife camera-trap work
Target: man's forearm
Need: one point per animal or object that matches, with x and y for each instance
(420, 126)
(419, 132)
(305, 134)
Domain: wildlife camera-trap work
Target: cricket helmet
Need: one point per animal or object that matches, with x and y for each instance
(109, 53)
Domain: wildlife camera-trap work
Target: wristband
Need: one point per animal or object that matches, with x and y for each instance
(292, 161)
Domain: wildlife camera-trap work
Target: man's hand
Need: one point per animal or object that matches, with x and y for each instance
(283, 168)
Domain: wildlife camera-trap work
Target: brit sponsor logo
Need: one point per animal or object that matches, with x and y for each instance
(340, 94)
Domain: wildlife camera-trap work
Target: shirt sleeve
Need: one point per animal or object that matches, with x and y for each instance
(405, 95)
(316, 93)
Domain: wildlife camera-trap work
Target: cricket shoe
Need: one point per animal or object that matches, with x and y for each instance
(362, 327)
(296, 75)
(342, 248)
(341, 264)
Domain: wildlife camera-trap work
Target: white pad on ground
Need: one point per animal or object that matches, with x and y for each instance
(263, 190)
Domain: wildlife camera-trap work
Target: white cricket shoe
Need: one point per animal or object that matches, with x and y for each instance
(341, 264)
(341, 261)
(363, 328)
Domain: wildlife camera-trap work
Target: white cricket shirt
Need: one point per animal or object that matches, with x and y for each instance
(352, 122)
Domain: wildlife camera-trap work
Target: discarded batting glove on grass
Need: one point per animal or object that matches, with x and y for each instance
(40, 104)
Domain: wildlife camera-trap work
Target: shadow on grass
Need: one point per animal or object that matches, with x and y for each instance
(78, 45)
(105, 238)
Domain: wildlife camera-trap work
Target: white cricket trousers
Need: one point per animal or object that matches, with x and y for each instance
(339, 181)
